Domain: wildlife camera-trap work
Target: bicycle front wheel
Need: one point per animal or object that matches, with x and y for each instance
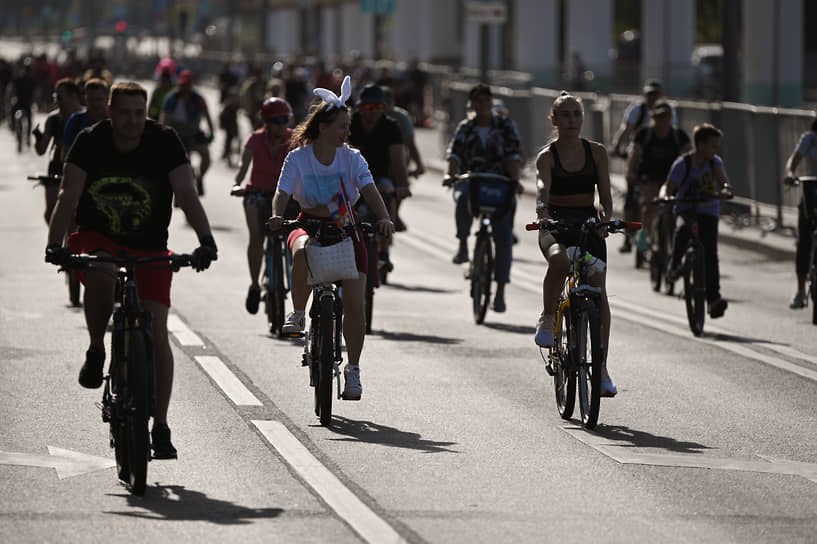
(325, 359)
(564, 373)
(274, 299)
(371, 281)
(139, 384)
(695, 290)
(589, 356)
(481, 276)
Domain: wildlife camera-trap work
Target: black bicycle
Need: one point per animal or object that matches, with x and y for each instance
(489, 197)
(322, 349)
(693, 266)
(277, 264)
(807, 202)
(73, 283)
(129, 395)
(660, 251)
(378, 270)
(579, 350)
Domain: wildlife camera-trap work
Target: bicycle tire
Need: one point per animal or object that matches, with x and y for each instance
(73, 290)
(695, 290)
(371, 281)
(658, 259)
(274, 301)
(813, 291)
(481, 276)
(564, 373)
(326, 360)
(117, 424)
(139, 383)
(589, 372)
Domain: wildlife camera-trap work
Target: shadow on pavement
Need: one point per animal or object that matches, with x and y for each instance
(373, 433)
(410, 337)
(177, 503)
(419, 288)
(643, 439)
(505, 327)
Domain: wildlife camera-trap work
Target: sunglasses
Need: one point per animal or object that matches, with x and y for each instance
(371, 107)
(283, 120)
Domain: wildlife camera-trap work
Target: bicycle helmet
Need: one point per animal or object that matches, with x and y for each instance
(275, 107)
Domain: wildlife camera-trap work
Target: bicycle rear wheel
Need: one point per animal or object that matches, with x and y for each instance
(137, 403)
(658, 258)
(589, 355)
(274, 300)
(325, 359)
(564, 374)
(481, 276)
(695, 290)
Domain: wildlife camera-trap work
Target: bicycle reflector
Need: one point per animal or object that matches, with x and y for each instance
(532, 226)
(633, 226)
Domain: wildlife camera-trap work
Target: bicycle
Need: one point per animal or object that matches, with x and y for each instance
(577, 355)
(73, 282)
(129, 394)
(277, 265)
(322, 348)
(21, 133)
(693, 268)
(660, 254)
(382, 267)
(808, 204)
(489, 197)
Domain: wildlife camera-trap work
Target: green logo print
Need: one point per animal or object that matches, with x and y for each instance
(124, 203)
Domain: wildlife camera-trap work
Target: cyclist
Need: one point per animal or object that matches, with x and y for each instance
(486, 142)
(23, 87)
(637, 115)
(570, 171)
(807, 147)
(183, 110)
(327, 177)
(96, 109)
(157, 97)
(119, 179)
(403, 118)
(379, 140)
(655, 148)
(66, 94)
(700, 175)
(266, 148)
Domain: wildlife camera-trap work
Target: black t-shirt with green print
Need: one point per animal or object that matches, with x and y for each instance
(127, 196)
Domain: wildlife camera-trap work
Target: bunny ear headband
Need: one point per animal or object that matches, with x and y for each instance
(334, 100)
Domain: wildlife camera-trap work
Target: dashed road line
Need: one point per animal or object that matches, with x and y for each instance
(227, 381)
(183, 334)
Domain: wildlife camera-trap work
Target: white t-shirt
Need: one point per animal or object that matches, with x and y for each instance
(314, 184)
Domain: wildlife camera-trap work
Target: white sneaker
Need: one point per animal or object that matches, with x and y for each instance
(353, 390)
(544, 331)
(295, 323)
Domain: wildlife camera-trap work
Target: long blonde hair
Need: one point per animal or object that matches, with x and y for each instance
(309, 130)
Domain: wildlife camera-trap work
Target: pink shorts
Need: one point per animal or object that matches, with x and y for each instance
(152, 280)
(361, 254)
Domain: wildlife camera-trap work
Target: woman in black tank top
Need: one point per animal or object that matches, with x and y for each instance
(570, 170)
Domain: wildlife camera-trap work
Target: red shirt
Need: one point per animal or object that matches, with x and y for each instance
(266, 168)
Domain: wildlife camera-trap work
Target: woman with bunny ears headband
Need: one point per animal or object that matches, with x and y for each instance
(327, 177)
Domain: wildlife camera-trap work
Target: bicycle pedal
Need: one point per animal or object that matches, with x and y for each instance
(549, 369)
(293, 335)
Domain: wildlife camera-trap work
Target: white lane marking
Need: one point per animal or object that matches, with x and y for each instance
(670, 324)
(623, 453)
(227, 381)
(184, 335)
(352, 510)
(67, 463)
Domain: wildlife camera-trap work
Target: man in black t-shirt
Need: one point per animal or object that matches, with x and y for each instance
(655, 148)
(119, 179)
(379, 140)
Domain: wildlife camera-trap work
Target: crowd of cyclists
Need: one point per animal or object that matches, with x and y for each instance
(312, 153)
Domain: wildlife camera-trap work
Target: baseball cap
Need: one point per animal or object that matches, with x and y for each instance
(371, 94)
(652, 86)
(186, 77)
(478, 89)
(661, 107)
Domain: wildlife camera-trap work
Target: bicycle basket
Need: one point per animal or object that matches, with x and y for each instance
(335, 262)
(488, 195)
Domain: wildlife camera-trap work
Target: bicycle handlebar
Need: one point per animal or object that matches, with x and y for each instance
(242, 191)
(674, 199)
(797, 180)
(46, 179)
(176, 261)
(311, 226)
(449, 180)
(616, 225)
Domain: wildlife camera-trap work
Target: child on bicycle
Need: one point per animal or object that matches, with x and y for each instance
(570, 170)
(698, 178)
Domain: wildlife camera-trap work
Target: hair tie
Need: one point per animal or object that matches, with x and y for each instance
(334, 100)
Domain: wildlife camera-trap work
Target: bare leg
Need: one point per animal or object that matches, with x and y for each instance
(163, 357)
(300, 289)
(98, 302)
(255, 247)
(354, 324)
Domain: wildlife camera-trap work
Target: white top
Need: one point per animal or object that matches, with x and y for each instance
(313, 184)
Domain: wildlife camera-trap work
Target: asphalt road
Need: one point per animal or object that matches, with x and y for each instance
(457, 438)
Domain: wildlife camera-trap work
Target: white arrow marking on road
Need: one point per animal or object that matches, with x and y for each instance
(66, 462)
(622, 453)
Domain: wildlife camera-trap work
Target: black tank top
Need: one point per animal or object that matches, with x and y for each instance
(573, 183)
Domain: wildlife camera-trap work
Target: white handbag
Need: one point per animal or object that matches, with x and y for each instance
(326, 264)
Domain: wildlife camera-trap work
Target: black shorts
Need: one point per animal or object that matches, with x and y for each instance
(596, 245)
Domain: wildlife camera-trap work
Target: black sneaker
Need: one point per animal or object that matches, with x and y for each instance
(90, 375)
(160, 442)
(627, 246)
(717, 308)
(399, 226)
(253, 298)
(461, 256)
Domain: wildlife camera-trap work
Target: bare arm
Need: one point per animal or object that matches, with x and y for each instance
(183, 184)
(603, 182)
(73, 183)
(246, 158)
(723, 179)
(544, 165)
(397, 164)
(633, 161)
(414, 155)
(372, 197)
(792, 163)
(623, 133)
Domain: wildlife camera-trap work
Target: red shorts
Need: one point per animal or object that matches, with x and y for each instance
(361, 254)
(152, 280)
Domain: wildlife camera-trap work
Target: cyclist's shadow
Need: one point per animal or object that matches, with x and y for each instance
(374, 433)
(631, 438)
(177, 503)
